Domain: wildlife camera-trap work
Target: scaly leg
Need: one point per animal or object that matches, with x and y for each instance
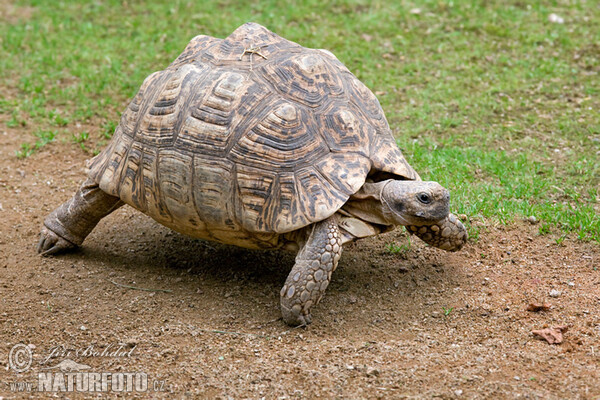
(68, 225)
(448, 234)
(310, 276)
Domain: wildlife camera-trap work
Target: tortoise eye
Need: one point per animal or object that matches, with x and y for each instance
(424, 198)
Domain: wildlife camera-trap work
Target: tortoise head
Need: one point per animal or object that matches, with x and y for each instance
(415, 202)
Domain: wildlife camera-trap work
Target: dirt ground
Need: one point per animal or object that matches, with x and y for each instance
(420, 323)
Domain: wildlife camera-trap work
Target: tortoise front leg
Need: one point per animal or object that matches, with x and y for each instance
(311, 274)
(448, 234)
(68, 225)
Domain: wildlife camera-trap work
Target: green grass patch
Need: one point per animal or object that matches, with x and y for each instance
(43, 138)
(488, 97)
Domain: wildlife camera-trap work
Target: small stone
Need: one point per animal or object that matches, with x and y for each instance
(556, 19)
(554, 293)
(83, 328)
(572, 284)
(517, 378)
(458, 392)
(31, 346)
(373, 372)
(531, 219)
(349, 367)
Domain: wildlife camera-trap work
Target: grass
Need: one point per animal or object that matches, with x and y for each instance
(43, 138)
(394, 248)
(487, 97)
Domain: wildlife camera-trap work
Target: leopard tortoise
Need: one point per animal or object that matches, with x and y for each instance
(256, 141)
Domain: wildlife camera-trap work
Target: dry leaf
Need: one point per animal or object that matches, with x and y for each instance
(538, 307)
(552, 335)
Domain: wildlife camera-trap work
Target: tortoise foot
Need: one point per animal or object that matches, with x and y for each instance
(295, 316)
(51, 243)
(448, 234)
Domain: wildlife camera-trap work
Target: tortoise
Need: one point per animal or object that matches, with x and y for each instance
(256, 141)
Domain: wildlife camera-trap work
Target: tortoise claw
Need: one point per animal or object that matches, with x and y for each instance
(295, 318)
(51, 243)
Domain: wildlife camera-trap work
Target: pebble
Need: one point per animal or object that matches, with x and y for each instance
(554, 293)
(556, 19)
(458, 392)
(532, 219)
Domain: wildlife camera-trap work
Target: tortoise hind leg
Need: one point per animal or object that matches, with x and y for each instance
(310, 276)
(67, 226)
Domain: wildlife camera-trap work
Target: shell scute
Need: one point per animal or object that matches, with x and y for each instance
(305, 78)
(284, 139)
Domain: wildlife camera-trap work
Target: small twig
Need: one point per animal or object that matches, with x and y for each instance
(139, 288)
(294, 328)
(268, 322)
(252, 50)
(233, 333)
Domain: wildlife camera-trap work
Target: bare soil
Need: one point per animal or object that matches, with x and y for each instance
(420, 323)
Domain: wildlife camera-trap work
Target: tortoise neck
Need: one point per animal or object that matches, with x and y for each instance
(367, 204)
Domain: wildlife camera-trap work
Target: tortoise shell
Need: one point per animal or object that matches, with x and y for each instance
(250, 133)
